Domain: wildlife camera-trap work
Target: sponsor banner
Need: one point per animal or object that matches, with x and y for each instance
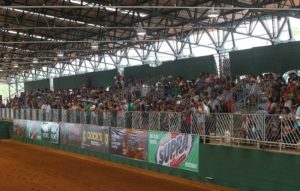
(70, 134)
(174, 150)
(33, 130)
(50, 132)
(19, 128)
(129, 143)
(95, 138)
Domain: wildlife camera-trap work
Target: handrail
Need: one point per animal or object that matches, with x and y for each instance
(227, 128)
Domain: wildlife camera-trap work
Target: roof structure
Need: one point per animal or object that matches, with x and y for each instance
(51, 38)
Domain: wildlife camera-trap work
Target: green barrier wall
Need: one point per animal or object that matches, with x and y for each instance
(35, 85)
(94, 79)
(245, 169)
(277, 58)
(188, 68)
(5, 129)
(249, 169)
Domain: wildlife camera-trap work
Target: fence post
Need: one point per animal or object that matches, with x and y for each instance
(204, 128)
(280, 143)
(231, 129)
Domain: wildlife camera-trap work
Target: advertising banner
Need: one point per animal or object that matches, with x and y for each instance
(19, 128)
(50, 132)
(33, 130)
(129, 143)
(174, 150)
(70, 134)
(95, 138)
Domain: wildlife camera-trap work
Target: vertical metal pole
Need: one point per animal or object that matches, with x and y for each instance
(9, 96)
(231, 129)
(17, 89)
(169, 122)
(204, 130)
(159, 125)
(280, 144)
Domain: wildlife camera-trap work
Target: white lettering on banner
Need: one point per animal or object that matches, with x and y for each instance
(173, 149)
(154, 142)
(45, 135)
(54, 136)
(191, 165)
(94, 143)
(153, 136)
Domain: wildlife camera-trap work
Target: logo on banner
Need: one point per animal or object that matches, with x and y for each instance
(95, 138)
(173, 149)
(50, 128)
(54, 132)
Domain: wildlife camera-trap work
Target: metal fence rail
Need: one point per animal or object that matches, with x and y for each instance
(276, 131)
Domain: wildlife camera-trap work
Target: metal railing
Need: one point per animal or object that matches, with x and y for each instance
(247, 95)
(262, 131)
(135, 92)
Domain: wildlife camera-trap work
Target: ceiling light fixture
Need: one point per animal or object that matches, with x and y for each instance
(35, 60)
(60, 54)
(212, 13)
(94, 46)
(140, 31)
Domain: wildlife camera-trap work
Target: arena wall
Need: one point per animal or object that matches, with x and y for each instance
(245, 169)
(278, 58)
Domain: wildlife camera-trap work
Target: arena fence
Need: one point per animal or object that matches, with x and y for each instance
(262, 131)
(247, 96)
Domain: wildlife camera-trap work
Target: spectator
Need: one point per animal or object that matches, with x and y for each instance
(46, 107)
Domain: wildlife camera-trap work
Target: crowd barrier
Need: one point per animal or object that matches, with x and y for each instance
(262, 131)
(175, 150)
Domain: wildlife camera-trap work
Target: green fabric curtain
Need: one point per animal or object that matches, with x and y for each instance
(277, 58)
(187, 68)
(93, 79)
(34, 85)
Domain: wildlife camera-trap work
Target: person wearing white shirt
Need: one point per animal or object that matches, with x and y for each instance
(298, 117)
(46, 107)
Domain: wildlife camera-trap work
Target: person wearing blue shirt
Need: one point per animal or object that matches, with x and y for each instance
(298, 117)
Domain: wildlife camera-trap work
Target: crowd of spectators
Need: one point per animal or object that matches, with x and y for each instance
(281, 96)
(205, 94)
(280, 106)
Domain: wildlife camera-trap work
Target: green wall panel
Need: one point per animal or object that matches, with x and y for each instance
(240, 62)
(265, 59)
(94, 79)
(5, 129)
(290, 55)
(245, 169)
(277, 58)
(34, 85)
(249, 169)
(141, 72)
(188, 68)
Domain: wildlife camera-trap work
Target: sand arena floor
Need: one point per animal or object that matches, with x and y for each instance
(26, 167)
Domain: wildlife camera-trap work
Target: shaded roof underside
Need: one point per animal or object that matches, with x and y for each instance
(72, 30)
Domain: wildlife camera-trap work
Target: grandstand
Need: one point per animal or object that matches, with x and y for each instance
(122, 78)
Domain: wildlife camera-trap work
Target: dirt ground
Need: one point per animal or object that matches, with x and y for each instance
(26, 167)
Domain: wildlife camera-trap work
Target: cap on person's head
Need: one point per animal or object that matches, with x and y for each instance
(260, 106)
(196, 98)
